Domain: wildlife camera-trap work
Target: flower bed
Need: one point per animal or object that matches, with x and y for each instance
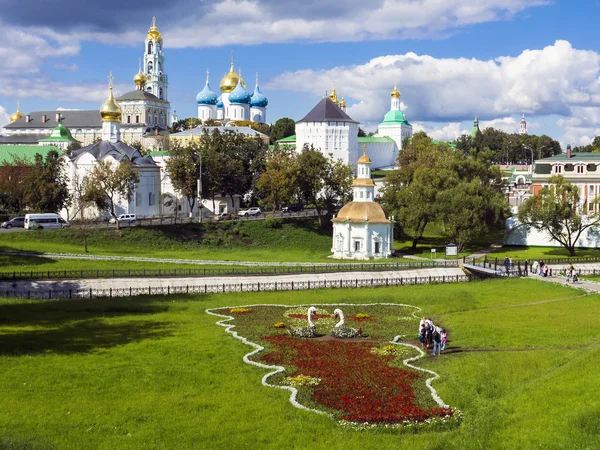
(357, 381)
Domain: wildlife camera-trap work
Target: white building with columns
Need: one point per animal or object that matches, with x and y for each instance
(146, 199)
(361, 229)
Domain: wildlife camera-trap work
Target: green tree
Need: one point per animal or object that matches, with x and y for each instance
(277, 184)
(183, 168)
(337, 185)
(312, 170)
(283, 128)
(46, 188)
(12, 186)
(361, 132)
(109, 183)
(558, 209)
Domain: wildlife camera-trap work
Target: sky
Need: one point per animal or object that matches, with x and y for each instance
(451, 59)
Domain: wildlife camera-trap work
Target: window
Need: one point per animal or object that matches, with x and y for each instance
(377, 249)
(339, 244)
(150, 199)
(150, 67)
(160, 93)
(128, 119)
(557, 169)
(357, 246)
(150, 47)
(361, 194)
(137, 118)
(138, 199)
(579, 169)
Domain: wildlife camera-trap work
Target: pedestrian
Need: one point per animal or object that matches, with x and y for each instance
(570, 270)
(437, 341)
(506, 263)
(542, 268)
(422, 336)
(575, 276)
(428, 335)
(510, 263)
(545, 271)
(444, 336)
(421, 322)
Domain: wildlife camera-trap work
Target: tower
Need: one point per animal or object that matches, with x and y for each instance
(475, 131)
(157, 81)
(343, 104)
(523, 126)
(17, 115)
(207, 102)
(395, 125)
(111, 113)
(258, 105)
(395, 103)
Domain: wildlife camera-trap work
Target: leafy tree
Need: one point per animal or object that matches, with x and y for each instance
(76, 145)
(12, 186)
(361, 132)
(277, 184)
(312, 170)
(558, 209)
(337, 184)
(183, 168)
(46, 186)
(108, 183)
(283, 128)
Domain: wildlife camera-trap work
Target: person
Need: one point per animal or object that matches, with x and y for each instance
(570, 272)
(541, 268)
(534, 267)
(506, 263)
(510, 263)
(422, 335)
(444, 336)
(574, 275)
(428, 335)
(436, 337)
(422, 321)
(545, 271)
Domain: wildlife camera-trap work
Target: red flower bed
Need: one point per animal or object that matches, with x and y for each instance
(359, 384)
(314, 317)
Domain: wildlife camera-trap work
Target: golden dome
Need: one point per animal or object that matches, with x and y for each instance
(140, 79)
(358, 212)
(395, 92)
(364, 159)
(153, 32)
(333, 96)
(17, 115)
(230, 81)
(110, 110)
(343, 103)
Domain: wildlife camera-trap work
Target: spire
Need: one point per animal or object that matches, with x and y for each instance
(256, 78)
(207, 75)
(232, 60)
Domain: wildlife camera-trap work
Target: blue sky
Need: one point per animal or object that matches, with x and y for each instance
(452, 60)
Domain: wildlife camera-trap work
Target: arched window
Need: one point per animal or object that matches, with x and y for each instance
(158, 47)
(150, 47)
(159, 67)
(160, 95)
(150, 66)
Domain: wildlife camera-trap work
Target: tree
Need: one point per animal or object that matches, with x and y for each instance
(558, 210)
(12, 183)
(183, 167)
(46, 188)
(312, 168)
(361, 132)
(277, 184)
(337, 185)
(108, 183)
(283, 128)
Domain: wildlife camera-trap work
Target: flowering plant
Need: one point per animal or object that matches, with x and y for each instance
(279, 325)
(302, 380)
(238, 311)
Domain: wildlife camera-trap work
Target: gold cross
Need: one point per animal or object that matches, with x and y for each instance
(140, 64)
(232, 56)
(110, 80)
(364, 147)
(154, 21)
(18, 105)
(207, 73)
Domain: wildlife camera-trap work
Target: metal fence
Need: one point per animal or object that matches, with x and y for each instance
(220, 271)
(231, 287)
(566, 261)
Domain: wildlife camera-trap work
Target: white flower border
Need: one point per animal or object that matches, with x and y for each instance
(278, 369)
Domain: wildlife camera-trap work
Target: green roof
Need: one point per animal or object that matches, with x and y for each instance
(370, 139)
(575, 157)
(158, 153)
(11, 152)
(395, 117)
(288, 139)
(60, 133)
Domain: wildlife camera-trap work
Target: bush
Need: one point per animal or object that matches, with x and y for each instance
(272, 222)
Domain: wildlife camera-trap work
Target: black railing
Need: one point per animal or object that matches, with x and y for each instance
(220, 271)
(230, 287)
(566, 261)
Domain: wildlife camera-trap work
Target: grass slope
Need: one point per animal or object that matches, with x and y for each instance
(147, 373)
(541, 253)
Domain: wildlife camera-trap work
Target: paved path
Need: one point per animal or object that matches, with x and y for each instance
(207, 262)
(126, 283)
(590, 286)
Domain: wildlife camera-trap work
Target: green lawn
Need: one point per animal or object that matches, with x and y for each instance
(149, 373)
(541, 253)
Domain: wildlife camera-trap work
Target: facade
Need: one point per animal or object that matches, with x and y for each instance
(523, 126)
(395, 125)
(361, 229)
(581, 170)
(235, 103)
(60, 137)
(145, 118)
(146, 199)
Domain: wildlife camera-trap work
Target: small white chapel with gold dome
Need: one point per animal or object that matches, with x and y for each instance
(362, 229)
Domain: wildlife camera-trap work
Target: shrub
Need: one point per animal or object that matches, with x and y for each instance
(272, 222)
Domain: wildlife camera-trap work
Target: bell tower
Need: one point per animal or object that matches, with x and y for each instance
(154, 63)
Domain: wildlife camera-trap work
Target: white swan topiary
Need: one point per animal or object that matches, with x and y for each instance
(306, 332)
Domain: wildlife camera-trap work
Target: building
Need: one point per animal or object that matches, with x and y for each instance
(581, 170)
(60, 137)
(523, 126)
(361, 229)
(475, 130)
(327, 127)
(146, 199)
(184, 137)
(235, 103)
(145, 118)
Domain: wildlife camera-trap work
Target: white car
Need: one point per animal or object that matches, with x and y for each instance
(254, 211)
(124, 218)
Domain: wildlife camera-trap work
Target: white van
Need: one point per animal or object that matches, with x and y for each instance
(41, 221)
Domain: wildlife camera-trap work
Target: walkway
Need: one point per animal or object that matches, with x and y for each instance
(126, 283)
(590, 286)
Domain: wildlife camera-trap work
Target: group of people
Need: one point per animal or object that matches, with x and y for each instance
(432, 336)
(541, 268)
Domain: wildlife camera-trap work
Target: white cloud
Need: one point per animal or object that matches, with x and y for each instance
(506, 124)
(438, 132)
(4, 118)
(552, 80)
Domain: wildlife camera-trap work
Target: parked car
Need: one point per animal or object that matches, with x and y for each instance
(296, 207)
(41, 221)
(17, 222)
(131, 218)
(254, 211)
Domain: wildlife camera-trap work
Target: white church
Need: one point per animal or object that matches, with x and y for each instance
(361, 229)
(235, 103)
